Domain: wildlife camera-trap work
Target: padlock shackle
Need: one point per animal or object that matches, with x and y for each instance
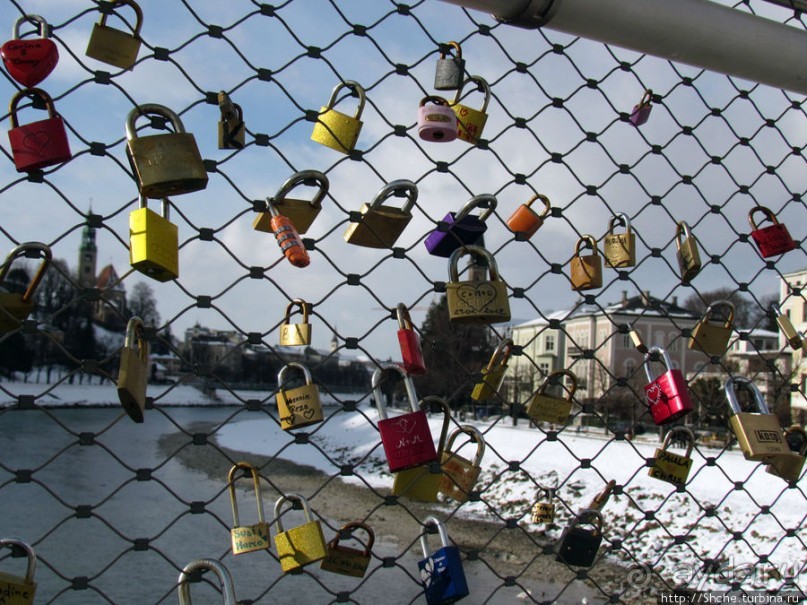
(297, 302)
(441, 444)
(744, 383)
(152, 109)
(29, 553)
(647, 97)
(256, 486)
(223, 574)
(501, 354)
(404, 320)
(688, 434)
(353, 525)
(293, 364)
(477, 251)
(456, 46)
(135, 338)
(682, 228)
(441, 530)
(378, 379)
(391, 188)
(476, 202)
(565, 372)
(228, 109)
(620, 218)
(544, 200)
(592, 243)
(550, 492)
(288, 498)
(588, 516)
(648, 359)
(20, 251)
(768, 215)
(476, 437)
(30, 18)
(353, 85)
(299, 178)
(601, 499)
(138, 14)
(434, 99)
(30, 92)
(710, 310)
(481, 84)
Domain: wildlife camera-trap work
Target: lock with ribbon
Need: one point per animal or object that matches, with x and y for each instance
(544, 407)
(379, 225)
(586, 270)
(668, 466)
(493, 374)
(543, 511)
(17, 303)
(287, 237)
(641, 112)
(301, 545)
(789, 466)
(29, 61)
(247, 538)
(437, 122)
(441, 571)
(461, 228)
(232, 130)
(577, 545)
(759, 434)
(300, 212)
(18, 590)
(133, 375)
(667, 395)
(713, 337)
(296, 335)
(37, 144)
(450, 68)
(226, 586)
(476, 301)
(772, 240)
(619, 248)
(337, 130)
(154, 242)
(299, 406)
(471, 122)
(527, 221)
(460, 474)
(408, 339)
(346, 560)
(688, 255)
(113, 46)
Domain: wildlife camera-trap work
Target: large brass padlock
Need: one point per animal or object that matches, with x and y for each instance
(17, 299)
(548, 408)
(475, 302)
(300, 545)
(164, 164)
(460, 474)
(710, 337)
(296, 335)
(154, 242)
(381, 226)
(543, 511)
(226, 586)
(133, 375)
(18, 590)
(493, 374)
(670, 467)
(586, 270)
(247, 538)
(619, 248)
(232, 130)
(299, 406)
(758, 434)
(688, 255)
(470, 121)
(346, 560)
(112, 46)
(338, 130)
(789, 466)
(300, 212)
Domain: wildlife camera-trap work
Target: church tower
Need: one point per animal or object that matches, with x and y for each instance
(87, 258)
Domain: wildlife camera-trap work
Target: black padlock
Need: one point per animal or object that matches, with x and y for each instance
(577, 545)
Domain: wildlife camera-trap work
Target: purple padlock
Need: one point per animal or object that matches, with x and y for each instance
(462, 228)
(641, 112)
(437, 121)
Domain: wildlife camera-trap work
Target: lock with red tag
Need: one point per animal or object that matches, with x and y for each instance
(667, 394)
(30, 61)
(409, 340)
(287, 237)
(437, 121)
(772, 240)
(38, 144)
(461, 228)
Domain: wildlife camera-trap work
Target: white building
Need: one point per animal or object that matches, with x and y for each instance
(793, 303)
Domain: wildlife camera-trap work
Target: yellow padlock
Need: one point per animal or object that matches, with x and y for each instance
(619, 248)
(247, 538)
(18, 590)
(154, 242)
(710, 337)
(493, 373)
(133, 375)
(586, 270)
(476, 301)
(380, 225)
(759, 435)
(688, 255)
(17, 300)
(471, 122)
(299, 406)
(670, 467)
(548, 408)
(296, 335)
(300, 212)
(338, 130)
(543, 511)
(112, 46)
(301, 545)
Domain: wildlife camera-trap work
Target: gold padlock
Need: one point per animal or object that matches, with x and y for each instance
(133, 375)
(300, 545)
(544, 511)
(758, 434)
(471, 122)
(345, 560)
(380, 225)
(793, 337)
(226, 586)
(493, 374)
(670, 467)
(546, 408)
(296, 335)
(586, 270)
(299, 406)
(460, 474)
(636, 337)
(154, 242)
(475, 302)
(18, 590)
(789, 466)
(688, 255)
(16, 306)
(112, 46)
(247, 538)
(619, 248)
(300, 212)
(338, 130)
(165, 164)
(710, 337)
(232, 130)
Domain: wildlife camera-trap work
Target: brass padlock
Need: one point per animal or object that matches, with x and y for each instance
(460, 474)
(299, 406)
(232, 130)
(300, 212)
(586, 270)
(17, 300)
(689, 258)
(544, 511)
(133, 375)
(710, 337)
(381, 226)
(793, 337)
(619, 249)
(112, 46)
(296, 335)
(165, 164)
(493, 374)
(154, 242)
(789, 466)
(637, 340)
(547, 408)
(759, 435)
(18, 590)
(345, 560)
(338, 130)
(471, 122)
(475, 302)
(226, 586)
(670, 467)
(300, 545)
(247, 538)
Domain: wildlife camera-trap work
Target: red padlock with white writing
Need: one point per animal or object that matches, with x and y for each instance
(437, 121)
(29, 61)
(38, 144)
(667, 394)
(411, 353)
(772, 240)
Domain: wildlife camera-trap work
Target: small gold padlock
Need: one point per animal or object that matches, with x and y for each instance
(547, 408)
(299, 406)
(133, 375)
(689, 258)
(300, 545)
(636, 337)
(471, 122)
(296, 335)
(345, 560)
(226, 586)
(794, 338)
(154, 242)
(112, 46)
(710, 337)
(586, 270)
(477, 301)
(460, 474)
(300, 212)
(18, 590)
(338, 130)
(789, 466)
(232, 130)
(619, 248)
(380, 225)
(758, 434)
(544, 511)
(670, 467)
(247, 538)
(15, 307)
(493, 374)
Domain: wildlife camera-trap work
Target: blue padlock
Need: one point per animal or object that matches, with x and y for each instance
(462, 228)
(441, 571)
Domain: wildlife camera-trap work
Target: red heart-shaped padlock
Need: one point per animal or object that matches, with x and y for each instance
(30, 61)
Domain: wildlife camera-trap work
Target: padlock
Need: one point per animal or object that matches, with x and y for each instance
(641, 112)
(471, 122)
(450, 69)
(619, 249)
(793, 337)
(548, 408)
(296, 335)
(38, 144)
(133, 375)
(527, 221)
(667, 395)
(493, 374)
(544, 511)
(300, 545)
(689, 258)
(599, 501)
(759, 435)
(232, 131)
(165, 164)
(338, 130)
(112, 46)
(437, 122)
(301, 212)
(772, 240)
(578, 546)
(461, 228)
(299, 406)
(345, 560)
(227, 588)
(407, 439)
(586, 270)
(460, 474)
(713, 337)
(18, 590)
(637, 340)
(30, 61)
(411, 352)
(154, 242)
(247, 538)
(789, 466)
(287, 237)
(15, 307)
(380, 226)
(441, 571)
(670, 467)
(476, 302)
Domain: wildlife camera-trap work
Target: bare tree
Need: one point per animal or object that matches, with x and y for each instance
(143, 304)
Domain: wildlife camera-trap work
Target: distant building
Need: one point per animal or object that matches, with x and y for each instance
(110, 310)
(793, 303)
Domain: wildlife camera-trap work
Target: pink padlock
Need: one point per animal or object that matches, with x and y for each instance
(641, 112)
(437, 122)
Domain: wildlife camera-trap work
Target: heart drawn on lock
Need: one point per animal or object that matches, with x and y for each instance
(30, 61)
(308, 414)
(653, 393)
(477, 296)
(36, 142)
